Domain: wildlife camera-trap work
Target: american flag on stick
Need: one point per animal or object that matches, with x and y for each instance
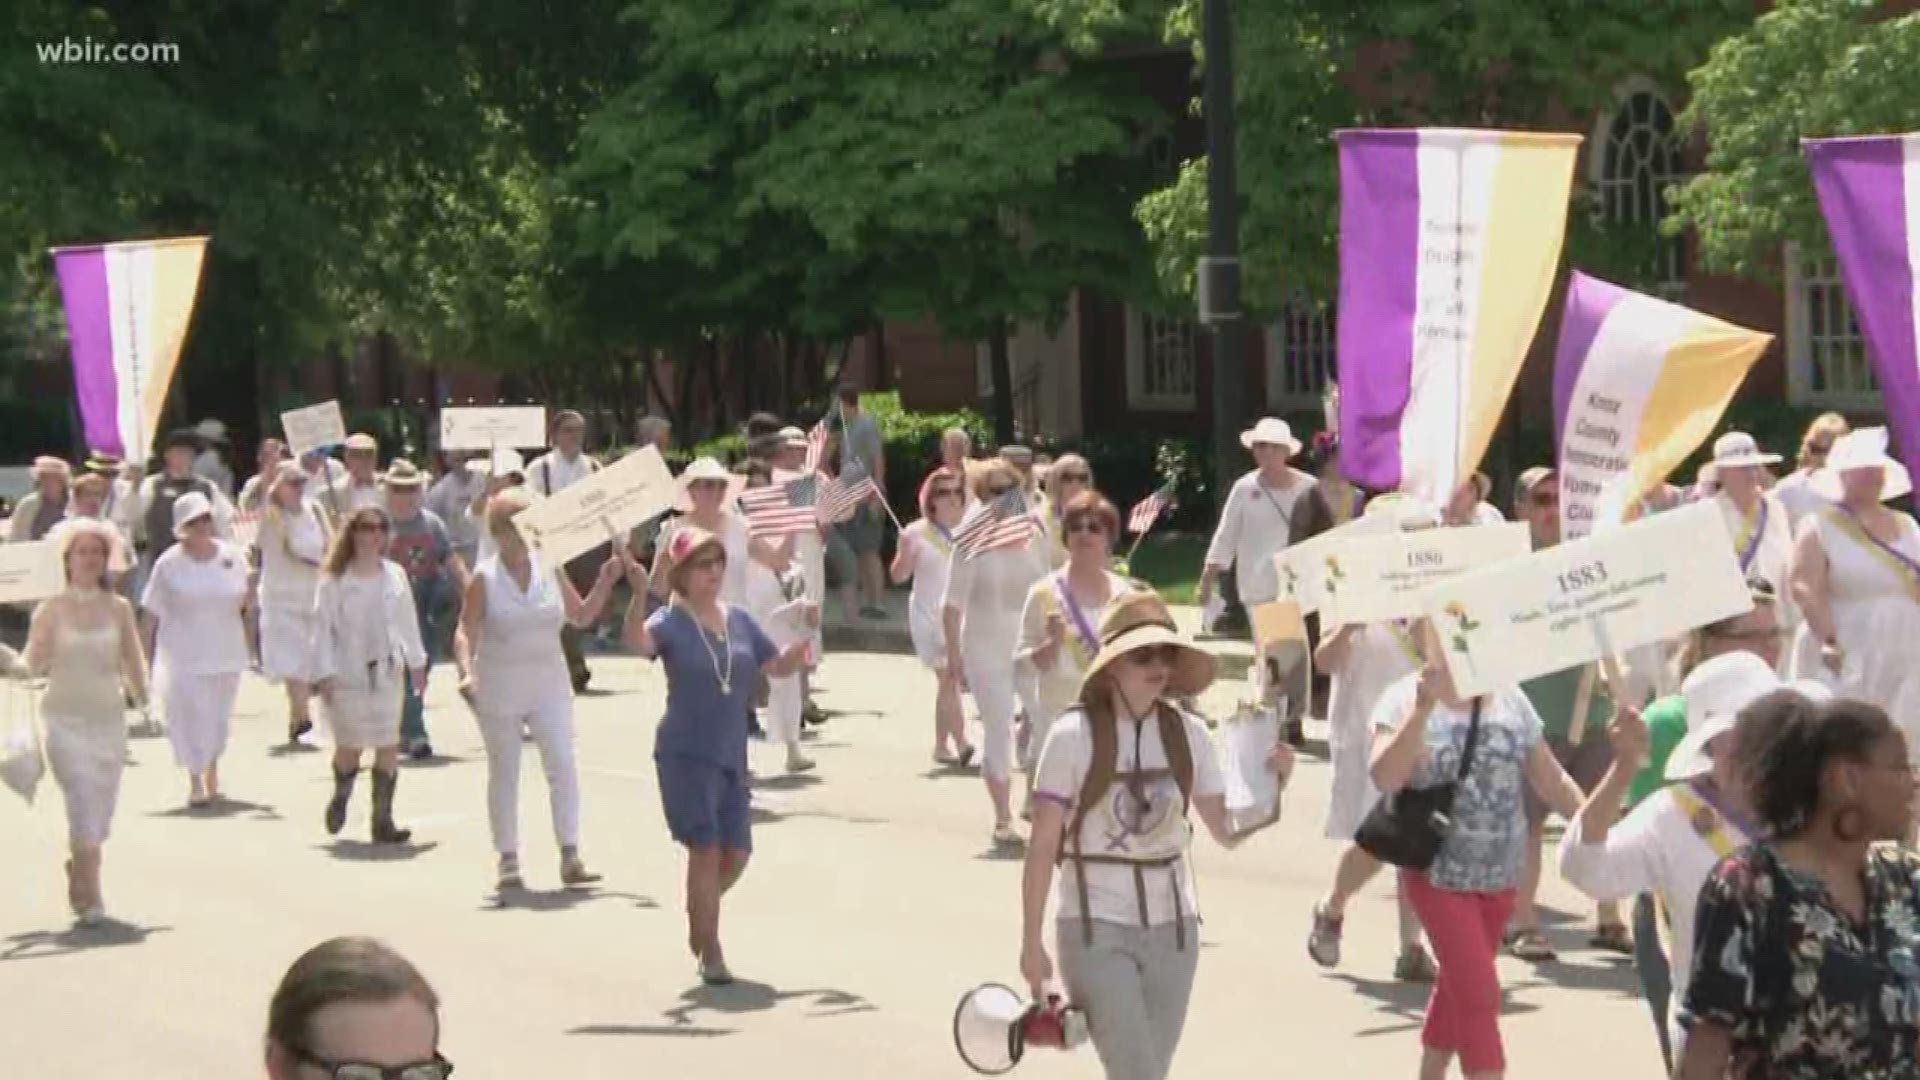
(1147, 511)
(782, 508)
(840, 498)
(1002, 523)
(816, 447)
(246, 528)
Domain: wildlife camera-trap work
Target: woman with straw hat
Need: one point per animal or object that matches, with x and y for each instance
(1257, 521)
(705, 502)
(366, 644)
(1117, 779)
(1857, 580)
(293, 540)
(197, 599)
(87, 644)
(509, 645)
(714, 654)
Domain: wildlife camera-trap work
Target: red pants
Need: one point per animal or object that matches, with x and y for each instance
(1464, 928)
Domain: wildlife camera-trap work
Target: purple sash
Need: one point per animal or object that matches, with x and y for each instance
(1710, 795)
(1753, 541)
(1089, 638)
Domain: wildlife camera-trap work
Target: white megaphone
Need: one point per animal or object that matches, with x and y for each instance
(993, 1026)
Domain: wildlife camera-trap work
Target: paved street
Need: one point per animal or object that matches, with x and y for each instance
(871, 904)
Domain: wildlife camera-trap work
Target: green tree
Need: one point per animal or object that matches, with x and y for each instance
(1807, 68)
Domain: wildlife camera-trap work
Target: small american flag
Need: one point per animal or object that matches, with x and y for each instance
(840, 498)
(816, 447)
(1148, 510)
(1002, 523)
(781, 508)
(246, 528)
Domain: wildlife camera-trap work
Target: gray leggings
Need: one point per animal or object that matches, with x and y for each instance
(1133, 983)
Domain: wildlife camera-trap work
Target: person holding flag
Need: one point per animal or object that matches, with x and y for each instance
(1761, 528)
(925, 556)
(779, 506)
(994, 567)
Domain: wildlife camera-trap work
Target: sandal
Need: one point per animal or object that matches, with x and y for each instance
(1323, 941)
(966, 756)
(1414, 966)
(1531, 945)
(1613, 938)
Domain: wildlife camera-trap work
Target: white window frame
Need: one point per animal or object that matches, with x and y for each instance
(1854, 388)
(1321, 327)
(1138, 397)
(1673, 286)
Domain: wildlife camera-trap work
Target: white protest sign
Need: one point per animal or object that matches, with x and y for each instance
(30, 571)
(1377, 578)
(582, 516)
(1302, 567)
(1654, 579)
(517, 426)
(315, 427)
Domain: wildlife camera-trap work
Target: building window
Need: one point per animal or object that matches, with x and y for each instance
(1162, 361)
(1827, 363)
(1637, 158)
(1300, 355)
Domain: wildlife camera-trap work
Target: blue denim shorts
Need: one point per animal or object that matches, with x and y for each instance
(706, 805)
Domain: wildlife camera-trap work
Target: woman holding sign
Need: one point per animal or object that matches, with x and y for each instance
(517, 679)
(1857, 580)
(293, 541)
(1493, 749)
(713, 653)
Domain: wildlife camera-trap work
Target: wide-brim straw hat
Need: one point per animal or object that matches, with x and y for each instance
(405, 476)
(1140, 620)
(687, 544)
(1271, 432)
(1736, 449)
(1862, 449)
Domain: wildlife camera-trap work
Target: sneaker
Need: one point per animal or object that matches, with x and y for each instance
(509, 877)
(420, 750)
(1005, 835)
(574, 872)
(1414, 966)
(1323, 942)
(798, 762)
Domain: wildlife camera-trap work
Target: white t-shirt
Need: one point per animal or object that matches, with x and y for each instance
(554, 471)
(1255, 525)
(1120, 826)
(990, 591)
(198, 605)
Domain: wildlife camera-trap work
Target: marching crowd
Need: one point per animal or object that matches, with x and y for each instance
(1746, 791)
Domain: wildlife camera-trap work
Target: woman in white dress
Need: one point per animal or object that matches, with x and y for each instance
(1856, 578)
(1060, 624)
(776, 602)
(980, 617)
(197, 600)
(366, 641)
(1362, 662)
(925, 554)
(510, 615)
(87, 644)
(704, 504)
(293, 540)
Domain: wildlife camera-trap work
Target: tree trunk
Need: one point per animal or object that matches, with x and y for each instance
(1000, 362)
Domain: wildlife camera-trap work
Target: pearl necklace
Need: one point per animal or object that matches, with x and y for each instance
(724, 675)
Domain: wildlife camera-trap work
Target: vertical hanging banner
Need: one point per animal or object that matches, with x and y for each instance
(1638, 384)
(1869, 191)
(128, 306)
(1449, 240)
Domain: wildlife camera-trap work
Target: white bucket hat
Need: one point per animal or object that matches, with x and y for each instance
(706, 468)
(188, 509)
(1272, 432)
(1715, 693)
(1737, 448)
(1861, 449)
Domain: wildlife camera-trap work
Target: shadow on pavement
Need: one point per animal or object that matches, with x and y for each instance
(437, 761)
(1408, 1001)
(560, 899)
(40, 944)
(366, 851)
(784, 782)
(954, 771)
(291, 749)
(222, 808)
(765, 816)
(1003, 853)
(744, 996)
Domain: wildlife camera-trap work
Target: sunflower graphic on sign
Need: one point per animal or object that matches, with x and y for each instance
(1463, 625)
(1335, 574)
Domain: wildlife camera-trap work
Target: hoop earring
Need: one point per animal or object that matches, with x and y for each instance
(1849, 824)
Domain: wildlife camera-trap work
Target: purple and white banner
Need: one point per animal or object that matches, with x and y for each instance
(1869, 190)
(128, 306)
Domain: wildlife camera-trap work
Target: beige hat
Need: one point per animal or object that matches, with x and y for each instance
(687, 543)
(705, 468)
(1270, 432)
(403, 475)
(364, 442)
(793, 436)
(1736, 449)
(1139, 620)
(289, 472)
(188, 509)
(1865, 448)
(211, 430)
(48, 465)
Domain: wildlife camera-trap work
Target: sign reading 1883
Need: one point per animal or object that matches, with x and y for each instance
(1583, 577)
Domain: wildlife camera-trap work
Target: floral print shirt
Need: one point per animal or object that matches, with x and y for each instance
(1805, 991)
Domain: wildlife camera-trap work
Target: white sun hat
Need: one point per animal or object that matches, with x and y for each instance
(1737, 448)
(1864, 448)
(1272, 432)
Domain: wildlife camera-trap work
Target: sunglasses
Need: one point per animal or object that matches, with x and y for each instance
(707, 562)
(437, 1069)
(1086, 525)
(1153, 654)
(1546, 498)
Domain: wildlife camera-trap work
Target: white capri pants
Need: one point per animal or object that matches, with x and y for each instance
(199, 710)
(990, 675)
(550, 719)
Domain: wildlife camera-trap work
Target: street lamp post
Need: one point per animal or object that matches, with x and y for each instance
(1220, 270)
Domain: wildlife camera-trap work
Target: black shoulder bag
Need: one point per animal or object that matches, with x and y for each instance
(1407, 827)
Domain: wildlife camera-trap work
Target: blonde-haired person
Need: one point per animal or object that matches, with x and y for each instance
(1795, 490)
(771, 601)
(1119, 776)
(1059, 625)
(713, 653)
(980, 617)
(1065, 480)
(292, 542)
(925, 554)
(366, 643)
(92, 493)
(196, 602)
(86, 643)
(510, 618)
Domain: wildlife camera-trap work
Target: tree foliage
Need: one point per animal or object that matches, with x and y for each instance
(1807, 68)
